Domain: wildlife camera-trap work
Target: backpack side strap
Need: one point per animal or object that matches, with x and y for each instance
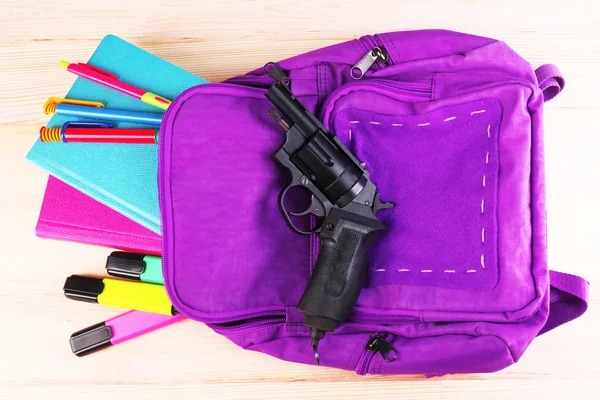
(550, 80)
(568, 299)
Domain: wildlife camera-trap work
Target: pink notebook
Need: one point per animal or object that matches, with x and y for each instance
(68, 214)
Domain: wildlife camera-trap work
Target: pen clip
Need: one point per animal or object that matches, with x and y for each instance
(50, 105)
(85, 124)
(100, 71)
(82, 124)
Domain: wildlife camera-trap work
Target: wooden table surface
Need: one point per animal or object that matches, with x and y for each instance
(219, 39)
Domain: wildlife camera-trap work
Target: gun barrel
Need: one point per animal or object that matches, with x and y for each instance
(286, 103)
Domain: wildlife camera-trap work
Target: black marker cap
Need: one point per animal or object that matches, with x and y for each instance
(90, 339)
(125, 265)
(83, 288)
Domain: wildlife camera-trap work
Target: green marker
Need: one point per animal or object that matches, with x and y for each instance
(135, 266)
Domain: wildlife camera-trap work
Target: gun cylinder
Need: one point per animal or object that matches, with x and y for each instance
(328, 167)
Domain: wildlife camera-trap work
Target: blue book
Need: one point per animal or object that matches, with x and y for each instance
(121, 176)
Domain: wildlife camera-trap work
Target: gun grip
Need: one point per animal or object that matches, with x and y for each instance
(340, 270)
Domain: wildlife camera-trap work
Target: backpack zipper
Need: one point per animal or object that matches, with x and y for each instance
(250, 81)
(248, 323)
(382, 319)
(369, 42)
(376, 54)
(410, 89)
(378, 344)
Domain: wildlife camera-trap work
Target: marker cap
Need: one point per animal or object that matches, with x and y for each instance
(83, 288)
(153, 272)
(90, 339)
(125, 265)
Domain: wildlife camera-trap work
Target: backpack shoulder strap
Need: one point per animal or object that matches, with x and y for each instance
(568, 299)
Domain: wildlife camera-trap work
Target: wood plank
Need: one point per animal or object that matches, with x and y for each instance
(217, 40)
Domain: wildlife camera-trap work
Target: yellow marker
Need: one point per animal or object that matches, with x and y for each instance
(156, 100)
(120, 293)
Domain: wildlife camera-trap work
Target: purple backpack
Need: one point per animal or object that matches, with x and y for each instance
(450, 127)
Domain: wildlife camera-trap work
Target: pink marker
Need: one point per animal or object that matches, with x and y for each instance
(118, 329)
(107, 79)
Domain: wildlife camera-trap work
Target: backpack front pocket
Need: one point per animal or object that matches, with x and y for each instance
(228, 253)
(440, 169)
(457, 244)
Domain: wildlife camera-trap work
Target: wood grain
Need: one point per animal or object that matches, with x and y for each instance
(219, 39)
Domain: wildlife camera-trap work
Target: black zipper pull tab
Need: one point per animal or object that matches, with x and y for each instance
(277, 74)
(381, 346)
(377, 54)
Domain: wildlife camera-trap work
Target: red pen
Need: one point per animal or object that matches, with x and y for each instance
(107, 79)
(98, 132)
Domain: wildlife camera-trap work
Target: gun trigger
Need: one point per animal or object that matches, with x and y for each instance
(378, 205)
(316, 208)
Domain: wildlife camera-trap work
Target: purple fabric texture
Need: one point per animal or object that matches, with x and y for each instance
(229, 173)
(451, 131)
(514, 296)
(443, 182)
(550, 80)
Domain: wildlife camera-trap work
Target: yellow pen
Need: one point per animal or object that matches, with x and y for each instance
(131, 295)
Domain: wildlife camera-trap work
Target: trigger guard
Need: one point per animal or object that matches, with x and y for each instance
(315, 208)
(286, 214)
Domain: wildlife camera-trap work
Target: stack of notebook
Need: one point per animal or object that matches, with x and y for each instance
(107, 194)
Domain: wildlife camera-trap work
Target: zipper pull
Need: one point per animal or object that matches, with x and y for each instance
(276, 73)
(381, 346)
(377, 54)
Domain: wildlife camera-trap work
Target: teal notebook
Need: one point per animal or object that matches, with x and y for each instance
(121, 176)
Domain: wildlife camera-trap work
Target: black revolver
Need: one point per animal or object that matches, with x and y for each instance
(344, 198)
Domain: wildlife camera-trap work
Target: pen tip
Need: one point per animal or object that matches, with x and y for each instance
(64, 64)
